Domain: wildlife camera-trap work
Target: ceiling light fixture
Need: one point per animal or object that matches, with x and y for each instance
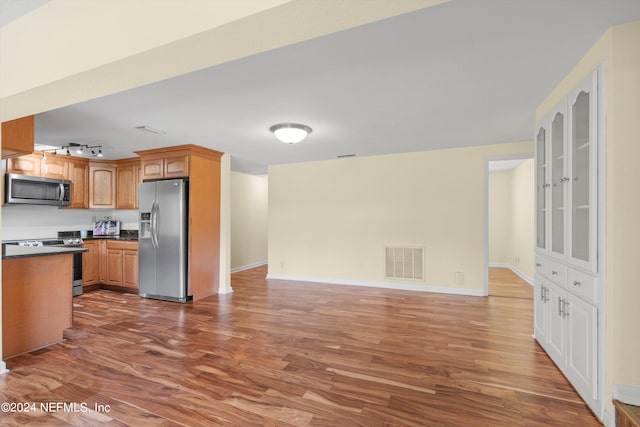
(290, 133)
(77, 149)
(150, 129)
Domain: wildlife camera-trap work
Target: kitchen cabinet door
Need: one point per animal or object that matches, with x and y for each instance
(540, 315)
(128, 174)
(18, 137)
(55, 167)
(130, 269)
(582, 346)
(102, 185)
(176, 167)
(25, 165)
(152, 169)
(557, 332)
(79, 176)
(90, 264)
(114, 267)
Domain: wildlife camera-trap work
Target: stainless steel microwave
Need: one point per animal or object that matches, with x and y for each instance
(35, 190)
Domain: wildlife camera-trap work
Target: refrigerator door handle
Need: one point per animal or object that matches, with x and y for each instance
(154, 225)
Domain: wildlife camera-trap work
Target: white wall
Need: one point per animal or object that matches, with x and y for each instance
(249, 214)
(330, 220)
(39, 222)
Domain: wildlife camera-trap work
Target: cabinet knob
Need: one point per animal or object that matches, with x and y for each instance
(555, 273)
(547, 185)
(538, 265)
(576, 283)
(565, 179)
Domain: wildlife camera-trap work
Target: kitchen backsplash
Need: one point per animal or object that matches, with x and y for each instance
(39, 222)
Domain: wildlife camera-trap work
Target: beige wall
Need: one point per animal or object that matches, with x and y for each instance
(500, 217)
(511, 218)
(522, 218)
(249, 213)
(619, 49)
(331, 219)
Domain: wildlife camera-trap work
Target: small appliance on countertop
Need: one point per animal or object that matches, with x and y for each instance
(106, 227)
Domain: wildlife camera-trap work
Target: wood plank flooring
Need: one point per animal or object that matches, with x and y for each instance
(276, 353)
(505, 283)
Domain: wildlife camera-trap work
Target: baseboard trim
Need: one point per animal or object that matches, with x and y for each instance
(627, 394)
(248, 266)
(3, 367)
(397, 286)
(225, 291)
(523, 276)
(607, 419)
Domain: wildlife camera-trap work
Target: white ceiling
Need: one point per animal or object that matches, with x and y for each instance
(463, 73)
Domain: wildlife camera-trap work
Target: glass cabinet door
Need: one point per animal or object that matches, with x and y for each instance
(558, 180)
(541, 188)
(580, 164)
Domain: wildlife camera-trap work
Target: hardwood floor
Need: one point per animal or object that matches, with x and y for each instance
(278, 353)
(505, 283)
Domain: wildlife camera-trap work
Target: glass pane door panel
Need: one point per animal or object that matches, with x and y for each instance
(541, 200)
(580, 191)
(557, 183)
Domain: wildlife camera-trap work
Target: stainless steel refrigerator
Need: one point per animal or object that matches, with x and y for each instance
(163, 237)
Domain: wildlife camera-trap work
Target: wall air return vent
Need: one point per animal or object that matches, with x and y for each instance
(404, 262)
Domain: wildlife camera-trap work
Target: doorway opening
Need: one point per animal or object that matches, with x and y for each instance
(510, 227)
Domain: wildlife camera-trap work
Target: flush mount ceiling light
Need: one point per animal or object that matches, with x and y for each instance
(291, 133)
(152, 130)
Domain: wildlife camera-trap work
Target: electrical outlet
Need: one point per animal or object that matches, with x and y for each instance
(459, 278)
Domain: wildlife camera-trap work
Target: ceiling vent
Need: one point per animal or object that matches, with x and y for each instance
(404, 262)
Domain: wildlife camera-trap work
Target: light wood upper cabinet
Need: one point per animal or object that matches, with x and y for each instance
(25, 165)
(176, 167)
(152, 169)
(79, 177)
(55, 167)
(128, 178)
(165, 167)
(102, 185)
(17, 137)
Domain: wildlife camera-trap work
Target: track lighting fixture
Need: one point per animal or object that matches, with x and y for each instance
(77, 149)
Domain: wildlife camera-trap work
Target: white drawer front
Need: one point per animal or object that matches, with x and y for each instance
(583, 284)
(557, 273)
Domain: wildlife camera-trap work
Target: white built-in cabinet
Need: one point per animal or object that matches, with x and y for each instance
(567, 293)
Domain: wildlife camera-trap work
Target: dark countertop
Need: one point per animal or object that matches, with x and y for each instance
(15, 251)
(121, 238)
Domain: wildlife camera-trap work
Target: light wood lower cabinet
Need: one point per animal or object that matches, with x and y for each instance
(111, 264)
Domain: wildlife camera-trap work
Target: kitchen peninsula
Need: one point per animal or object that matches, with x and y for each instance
(36, 296)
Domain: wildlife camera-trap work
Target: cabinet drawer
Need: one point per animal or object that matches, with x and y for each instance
(125, 245)
(557, 273)
(583, 284)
